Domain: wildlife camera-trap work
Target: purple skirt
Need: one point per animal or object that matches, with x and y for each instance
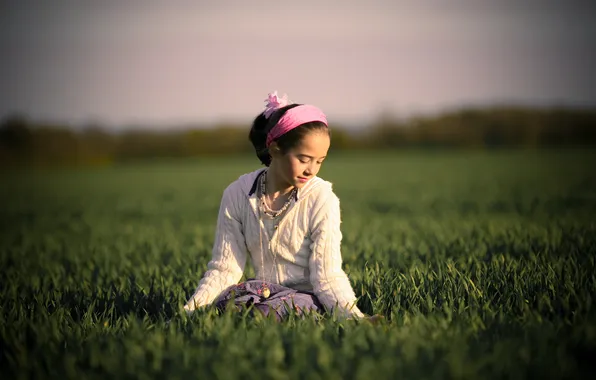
(267, 297)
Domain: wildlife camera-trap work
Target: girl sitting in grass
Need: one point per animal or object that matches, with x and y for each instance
(286, 219)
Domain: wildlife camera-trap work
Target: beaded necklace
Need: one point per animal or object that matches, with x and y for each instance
(262, 193)
(264, 209)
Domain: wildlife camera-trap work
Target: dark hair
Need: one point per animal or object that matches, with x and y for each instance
(261, 127)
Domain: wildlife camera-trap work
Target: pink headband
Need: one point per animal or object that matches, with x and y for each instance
(293, 118)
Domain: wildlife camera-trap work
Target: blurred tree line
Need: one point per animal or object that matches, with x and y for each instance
(26, 143)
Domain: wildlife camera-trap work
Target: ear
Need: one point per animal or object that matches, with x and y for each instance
(274, 149)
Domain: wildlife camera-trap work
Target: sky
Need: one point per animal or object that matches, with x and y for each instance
(157, 63)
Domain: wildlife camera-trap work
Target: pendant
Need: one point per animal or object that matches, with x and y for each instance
(266, 292)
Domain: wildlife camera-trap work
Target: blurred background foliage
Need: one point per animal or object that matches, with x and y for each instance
(27, 143)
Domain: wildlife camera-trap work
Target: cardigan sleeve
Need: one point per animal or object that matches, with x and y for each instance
(330, 283)
(228, 255)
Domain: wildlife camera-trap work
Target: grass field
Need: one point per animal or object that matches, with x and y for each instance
(482, 263)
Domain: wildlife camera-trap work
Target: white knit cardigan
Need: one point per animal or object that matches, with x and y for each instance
(303, 253)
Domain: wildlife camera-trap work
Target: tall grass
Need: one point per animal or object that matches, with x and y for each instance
(483, 265)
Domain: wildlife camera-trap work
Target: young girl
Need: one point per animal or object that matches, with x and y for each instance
(286, 219)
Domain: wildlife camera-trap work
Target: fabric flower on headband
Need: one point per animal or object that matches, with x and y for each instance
(274, 102)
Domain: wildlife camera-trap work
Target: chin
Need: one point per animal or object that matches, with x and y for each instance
(298, 183)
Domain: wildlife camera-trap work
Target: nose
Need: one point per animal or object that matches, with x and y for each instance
(308, 171)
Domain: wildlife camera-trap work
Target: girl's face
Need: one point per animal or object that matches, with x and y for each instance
(299, 165)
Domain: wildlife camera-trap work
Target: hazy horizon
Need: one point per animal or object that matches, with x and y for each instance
(179, 63)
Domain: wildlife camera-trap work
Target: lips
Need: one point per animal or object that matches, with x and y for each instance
(302, 179)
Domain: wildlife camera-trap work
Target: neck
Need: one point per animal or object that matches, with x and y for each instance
(276, 187)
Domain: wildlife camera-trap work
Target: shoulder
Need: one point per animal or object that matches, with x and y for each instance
(322, 189)
(242, 185)
(322, 198)
(236, 194)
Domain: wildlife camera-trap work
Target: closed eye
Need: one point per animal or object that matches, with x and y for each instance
(307, 159)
